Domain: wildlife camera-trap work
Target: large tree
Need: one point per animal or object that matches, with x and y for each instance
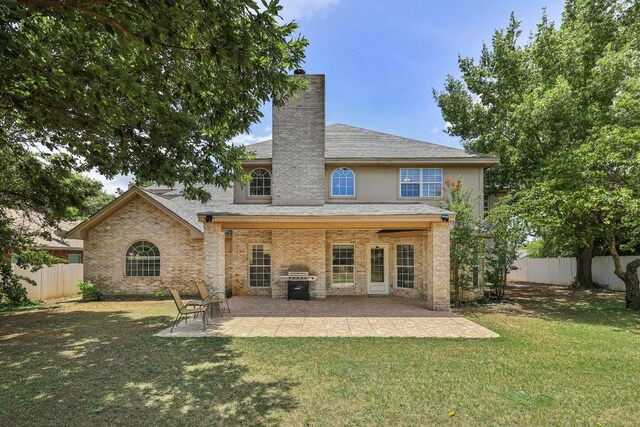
(151, 88)
(539, 105)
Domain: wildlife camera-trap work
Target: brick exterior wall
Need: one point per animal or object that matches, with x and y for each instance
(362, 238)
(184, 263)
(313, 248)
(181, 256)
(240, 260)
(304, 247)
(298, 146)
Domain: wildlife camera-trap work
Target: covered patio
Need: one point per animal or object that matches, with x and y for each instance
(335, 316)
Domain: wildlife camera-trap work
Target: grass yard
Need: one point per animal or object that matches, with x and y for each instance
(564, 358)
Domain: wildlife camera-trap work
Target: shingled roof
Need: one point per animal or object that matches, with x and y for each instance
(327, 209)
(344, 142)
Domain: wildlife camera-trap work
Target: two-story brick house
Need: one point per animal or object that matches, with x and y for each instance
(356, 207)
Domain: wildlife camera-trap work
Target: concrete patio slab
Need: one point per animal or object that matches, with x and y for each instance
(256, 316)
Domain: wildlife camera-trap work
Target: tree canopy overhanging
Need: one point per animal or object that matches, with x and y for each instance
(562, 110)
(151, 88)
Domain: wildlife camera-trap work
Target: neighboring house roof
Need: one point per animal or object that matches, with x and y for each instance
(58, 240)
(354, 144)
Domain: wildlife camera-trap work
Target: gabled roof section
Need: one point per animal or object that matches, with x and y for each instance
(350, 143)
(170, 207)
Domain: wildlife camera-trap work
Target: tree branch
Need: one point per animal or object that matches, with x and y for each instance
(84, 7)
(616, 258)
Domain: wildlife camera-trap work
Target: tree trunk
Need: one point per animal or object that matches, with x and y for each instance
(628, 276)
(584, 258)
(456, 283)
(632, 285)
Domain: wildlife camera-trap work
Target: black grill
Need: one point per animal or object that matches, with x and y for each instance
(298, 282)
(298, 289)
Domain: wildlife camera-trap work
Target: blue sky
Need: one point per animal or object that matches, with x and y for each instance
(382, 58)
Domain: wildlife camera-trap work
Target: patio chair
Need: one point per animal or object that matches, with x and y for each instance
(210, 299)
(185, 311)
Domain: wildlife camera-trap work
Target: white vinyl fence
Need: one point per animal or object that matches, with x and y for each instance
(563, 270)
(57, 281)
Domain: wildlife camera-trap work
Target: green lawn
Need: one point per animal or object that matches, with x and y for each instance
(563, 359)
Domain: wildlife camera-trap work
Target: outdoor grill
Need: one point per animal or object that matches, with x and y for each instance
(298, 280)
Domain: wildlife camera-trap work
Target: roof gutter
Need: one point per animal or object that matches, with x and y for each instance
(485, 161)
(326, 221)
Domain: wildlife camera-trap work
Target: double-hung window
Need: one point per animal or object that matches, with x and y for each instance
(405, 266)
(343, 262)
(259, 266)
(421, 182)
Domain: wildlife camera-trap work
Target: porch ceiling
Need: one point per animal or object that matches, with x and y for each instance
(397, 216)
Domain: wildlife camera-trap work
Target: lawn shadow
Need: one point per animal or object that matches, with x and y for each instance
(106, 368)
(559, 302)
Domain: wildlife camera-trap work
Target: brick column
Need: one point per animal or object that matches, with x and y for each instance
(214, 264)
(438, 293)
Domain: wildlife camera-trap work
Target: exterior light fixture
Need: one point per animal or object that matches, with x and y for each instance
(444, 218)
(208, 218)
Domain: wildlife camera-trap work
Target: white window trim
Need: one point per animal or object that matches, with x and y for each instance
(261, 196)
(124, 262)
(350, 196)
(421, 184)
(398, 266)
(266, 245)
(344, 285)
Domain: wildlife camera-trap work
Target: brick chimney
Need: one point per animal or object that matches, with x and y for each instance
(298, 146)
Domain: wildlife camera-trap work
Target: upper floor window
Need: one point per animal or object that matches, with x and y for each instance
(421, 182)
(343, 182)
(260, 184)
(142, 260)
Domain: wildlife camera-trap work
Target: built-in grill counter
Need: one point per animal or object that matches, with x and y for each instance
(298, 282)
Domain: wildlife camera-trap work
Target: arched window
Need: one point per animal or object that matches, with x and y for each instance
(142, 260)
(343, 182)
(260, 184)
